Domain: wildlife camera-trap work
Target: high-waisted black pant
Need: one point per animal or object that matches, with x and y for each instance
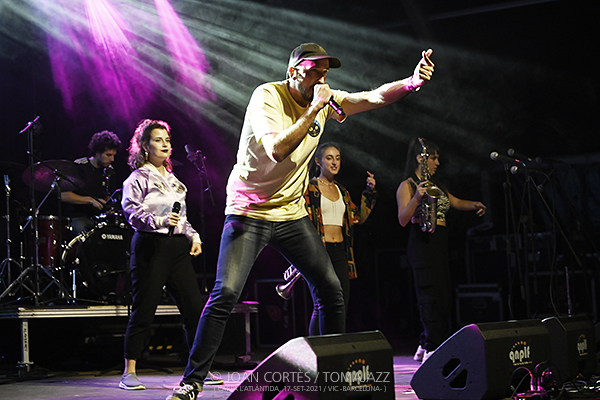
(158, 261)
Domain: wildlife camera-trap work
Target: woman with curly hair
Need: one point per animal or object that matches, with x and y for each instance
(162, 245)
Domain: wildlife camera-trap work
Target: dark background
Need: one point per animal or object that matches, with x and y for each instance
(516, 75)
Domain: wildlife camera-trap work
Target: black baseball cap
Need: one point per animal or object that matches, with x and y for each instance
(311, 51)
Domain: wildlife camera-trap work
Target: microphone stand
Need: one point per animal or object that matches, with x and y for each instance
(510, 221)
(576, 258)
(528, 236)
(197, 158)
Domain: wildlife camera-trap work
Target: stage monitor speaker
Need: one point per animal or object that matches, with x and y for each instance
(345, 366)
(480, 361)
(573, 346)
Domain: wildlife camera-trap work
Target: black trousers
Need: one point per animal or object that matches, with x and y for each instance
(428, 257)
(158, 261)
(339, 259)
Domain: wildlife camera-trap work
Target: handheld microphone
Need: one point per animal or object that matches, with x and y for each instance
(336, 107)
(176, 209)
(498, 157)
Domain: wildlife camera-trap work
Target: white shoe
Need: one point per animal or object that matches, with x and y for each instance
(131, 382)
(427, 355)
(419, 354)
(213, 379)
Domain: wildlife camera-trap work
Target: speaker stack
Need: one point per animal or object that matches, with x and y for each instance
(573, 346)
(345, 366)
(488, 360)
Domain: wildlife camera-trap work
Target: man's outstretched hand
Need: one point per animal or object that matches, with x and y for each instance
(424, 69)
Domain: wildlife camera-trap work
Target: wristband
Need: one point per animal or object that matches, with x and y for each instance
(411, 86)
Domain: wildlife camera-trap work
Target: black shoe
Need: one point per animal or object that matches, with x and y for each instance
(185, 392)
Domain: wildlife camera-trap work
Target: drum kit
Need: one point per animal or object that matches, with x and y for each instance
(55, 264)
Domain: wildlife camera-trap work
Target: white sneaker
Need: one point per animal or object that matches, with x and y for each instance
(131, 382)
(419, 354)
(427, 355)
(213, 379)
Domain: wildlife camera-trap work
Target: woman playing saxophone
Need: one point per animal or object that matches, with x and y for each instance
(428, 248)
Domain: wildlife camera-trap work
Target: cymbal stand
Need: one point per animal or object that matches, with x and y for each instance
(60, 266)
(6, 263)
(34, 268)
(32, 128)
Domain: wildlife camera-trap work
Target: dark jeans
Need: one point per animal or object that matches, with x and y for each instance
(158, 261)
(339, 259)
(242, 241)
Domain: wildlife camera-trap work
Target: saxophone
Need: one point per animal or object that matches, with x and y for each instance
(427, 211)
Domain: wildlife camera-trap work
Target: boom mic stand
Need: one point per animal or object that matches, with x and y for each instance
(576, 257)
(197, 158)
(510, 222)
(526, 221)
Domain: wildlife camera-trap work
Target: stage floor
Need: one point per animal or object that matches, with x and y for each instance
(87, 386)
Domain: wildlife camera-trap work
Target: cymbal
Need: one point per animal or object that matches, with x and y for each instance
(44, 173)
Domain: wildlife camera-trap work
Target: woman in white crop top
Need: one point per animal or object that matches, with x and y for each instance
(334, 214)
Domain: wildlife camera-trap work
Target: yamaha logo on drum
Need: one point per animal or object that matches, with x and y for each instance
(112, 236)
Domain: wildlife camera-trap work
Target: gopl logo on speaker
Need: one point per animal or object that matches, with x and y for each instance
(520, 353)
(359, 374)
(582, 345)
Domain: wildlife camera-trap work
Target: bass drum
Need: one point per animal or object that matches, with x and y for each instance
(101, 258)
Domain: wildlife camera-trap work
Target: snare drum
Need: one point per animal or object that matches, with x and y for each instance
(101, 256)
(51, 231)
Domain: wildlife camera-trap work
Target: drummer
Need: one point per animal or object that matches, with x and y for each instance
(95, 172)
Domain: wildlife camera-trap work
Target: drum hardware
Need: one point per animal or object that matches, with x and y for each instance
(38, 180)
(50, 254)
(76, 262)
(5, 267)
(100, 258)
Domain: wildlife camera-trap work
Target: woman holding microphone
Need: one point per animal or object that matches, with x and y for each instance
(163, 242)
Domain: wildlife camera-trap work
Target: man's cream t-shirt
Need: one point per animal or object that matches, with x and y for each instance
(258, 187)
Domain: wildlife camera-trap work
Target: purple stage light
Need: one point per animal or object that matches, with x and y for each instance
(187, 59)
(107, 28)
